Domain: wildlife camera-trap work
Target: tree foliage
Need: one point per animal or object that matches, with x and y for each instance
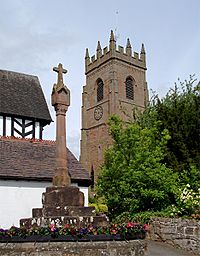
(179, 113)
(154, 158)
(133, 177)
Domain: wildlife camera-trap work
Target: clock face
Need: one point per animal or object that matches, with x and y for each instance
(98, 113)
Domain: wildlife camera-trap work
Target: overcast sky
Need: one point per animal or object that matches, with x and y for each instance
(37, 35)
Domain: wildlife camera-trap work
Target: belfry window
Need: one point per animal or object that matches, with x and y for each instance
(129, 88)
(99, 90)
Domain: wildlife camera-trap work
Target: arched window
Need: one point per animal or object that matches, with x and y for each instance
(129, 88)
(99, 90)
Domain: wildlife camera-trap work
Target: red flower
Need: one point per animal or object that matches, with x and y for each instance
(146, 227)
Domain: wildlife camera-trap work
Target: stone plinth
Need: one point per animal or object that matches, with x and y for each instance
(62, 196)
(64, 205)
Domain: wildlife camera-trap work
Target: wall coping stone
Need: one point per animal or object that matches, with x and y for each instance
(107, 248)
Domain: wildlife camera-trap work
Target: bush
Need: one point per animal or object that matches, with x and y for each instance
(133, 177)
(100, 208)
(187, 202)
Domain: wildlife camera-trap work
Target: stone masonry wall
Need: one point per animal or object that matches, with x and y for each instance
(111, 248)
(183, 233)
(113, 65)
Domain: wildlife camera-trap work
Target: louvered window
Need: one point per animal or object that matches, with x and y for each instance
(129, 88)
(99, 90)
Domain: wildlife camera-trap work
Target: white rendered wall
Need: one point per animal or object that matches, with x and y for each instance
(28, 129)
(19, 128)
(85, 192)
(8, 126)
(37, 130)
(18, 198)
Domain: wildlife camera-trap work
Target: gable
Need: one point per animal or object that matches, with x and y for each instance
(21, 95)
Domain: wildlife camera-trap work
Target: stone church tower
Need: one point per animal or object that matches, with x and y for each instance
(115, 84)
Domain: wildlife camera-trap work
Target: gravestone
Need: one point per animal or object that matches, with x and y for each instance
(62, 203)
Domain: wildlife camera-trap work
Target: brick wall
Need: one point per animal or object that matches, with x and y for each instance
(122, 248)
(183, 233)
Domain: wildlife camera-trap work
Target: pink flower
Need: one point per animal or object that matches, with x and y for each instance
(52, 227)
(66, 226)
(90, 228)
(113, 231)
(130, 225)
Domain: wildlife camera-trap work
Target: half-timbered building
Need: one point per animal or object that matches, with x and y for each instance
(23, 108)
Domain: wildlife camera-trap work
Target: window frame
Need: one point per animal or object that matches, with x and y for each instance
(129, 88)
(100, 90)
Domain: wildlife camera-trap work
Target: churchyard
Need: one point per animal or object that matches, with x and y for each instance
(145, 187)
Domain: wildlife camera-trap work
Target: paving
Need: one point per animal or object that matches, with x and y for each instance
(163, 249)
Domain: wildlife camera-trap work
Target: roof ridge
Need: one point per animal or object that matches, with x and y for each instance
(19, 73)
(27, 139)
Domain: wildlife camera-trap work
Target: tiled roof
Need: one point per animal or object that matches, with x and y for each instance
(21, 95)
(35, 160)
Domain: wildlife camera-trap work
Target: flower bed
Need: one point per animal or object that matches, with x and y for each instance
(71, 233)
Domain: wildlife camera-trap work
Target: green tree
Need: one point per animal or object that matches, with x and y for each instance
(179, 113)
(133, 177)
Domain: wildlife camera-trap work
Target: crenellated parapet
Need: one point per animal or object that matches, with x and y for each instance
(112, 52)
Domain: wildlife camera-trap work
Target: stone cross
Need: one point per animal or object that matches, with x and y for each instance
(60, 70)
(60, 99)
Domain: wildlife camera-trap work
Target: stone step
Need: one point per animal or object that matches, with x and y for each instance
(78, 221)
(63, 211)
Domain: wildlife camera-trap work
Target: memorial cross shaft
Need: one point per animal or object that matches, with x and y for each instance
(60, 98)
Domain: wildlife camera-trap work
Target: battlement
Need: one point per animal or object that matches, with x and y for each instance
(114, 52)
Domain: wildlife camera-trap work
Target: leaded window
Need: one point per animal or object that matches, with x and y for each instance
(99, 90)
(129, 88)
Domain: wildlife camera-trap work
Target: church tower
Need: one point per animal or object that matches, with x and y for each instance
(115, 84)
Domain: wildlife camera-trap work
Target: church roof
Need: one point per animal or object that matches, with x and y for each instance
(22, 95)
(27, 159)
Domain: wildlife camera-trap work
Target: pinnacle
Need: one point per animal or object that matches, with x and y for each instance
(112, 36)
(87, 54)
(143, 49)
(128, 45)
(98, 46)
